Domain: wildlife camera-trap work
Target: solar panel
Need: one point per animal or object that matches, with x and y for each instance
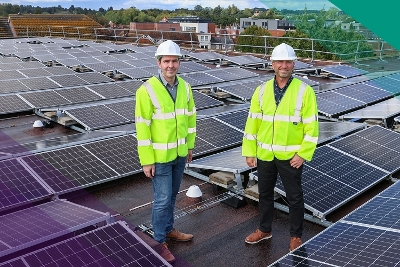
(124, 108)
(302, 65)
(10, 75)
(96, 117)
(137, 63)
(39, 83)
(385, 83)
(99, 67)
(69, 62)
(236, 119)
(381, 110)
(113, 245)
(68, 80)
(202, 78)
(18, 185)
(193, 66)
(88, 60)
(223, 75)
(242, 73)
(333, 178)
(120, 153)
(40, 72)
(344, 71)
(131, 86)
(333, 130)
(245, 60)
(78, 94)
(9, 60)
(213, 135)
(110, 90)
(206, 56)
(34, 225)
(94, 77)
(135, 73)
(116, 65)
(344, 244)
(60, 70)
(153, 70)
(30, 65)
(305, 79)
(45, 99)
(203, 101)
(12, 103)
(12, 86)
(238, 89)
(331, 103)
(392, 191)
(69, 168)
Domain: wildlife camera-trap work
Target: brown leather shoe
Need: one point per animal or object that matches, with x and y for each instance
(295, 242)
(178, 236)
(257, 236)
(165, 253)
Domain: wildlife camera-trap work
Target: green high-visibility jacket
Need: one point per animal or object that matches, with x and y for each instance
(283, 130)
(164, 129)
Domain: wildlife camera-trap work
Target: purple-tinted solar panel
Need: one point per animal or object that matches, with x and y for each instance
(17, 185)
(40, 223)
(15, 263)
(69, 169)
(108, 246)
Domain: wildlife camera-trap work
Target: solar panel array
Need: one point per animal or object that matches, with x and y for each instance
(37, 224)
(344, 71)
(113, 245)
(236, 119)
(213, 135)
(388, 83)
(203, 101)
(368, 236)
(382, 110)
(241, 89)
(246, 60)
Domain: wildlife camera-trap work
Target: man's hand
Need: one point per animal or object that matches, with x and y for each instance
(251, 161)
(189, 156)
(296, 161)
(149, 170)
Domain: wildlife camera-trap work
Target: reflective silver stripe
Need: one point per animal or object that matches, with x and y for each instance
(278, 148)
(250, 136)
(299, 101)
(190, 113)
(267, 118)
(163, 116)
(261, 93)
(187, 91)
(141, 119)
(311, 139)
(310, 119)
(144, 142)
(162, 146)
(286, 118)
(253, 115)
(152, 95)
(191, 130)
(181, 111)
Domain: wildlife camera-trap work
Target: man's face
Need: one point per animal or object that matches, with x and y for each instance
(283, 68)
(169, 66)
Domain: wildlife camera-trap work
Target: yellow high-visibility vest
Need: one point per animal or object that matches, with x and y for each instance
(164, 129)
(283, 130)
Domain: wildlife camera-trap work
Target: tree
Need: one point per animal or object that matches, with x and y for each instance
(253, 39)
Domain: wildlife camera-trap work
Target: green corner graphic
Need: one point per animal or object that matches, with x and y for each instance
(381, 17)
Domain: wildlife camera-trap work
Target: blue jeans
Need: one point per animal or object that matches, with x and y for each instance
(166, 183)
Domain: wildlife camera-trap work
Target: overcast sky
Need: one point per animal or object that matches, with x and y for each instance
(173, 4)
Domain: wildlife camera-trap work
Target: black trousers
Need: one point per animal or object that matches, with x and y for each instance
(291, 180)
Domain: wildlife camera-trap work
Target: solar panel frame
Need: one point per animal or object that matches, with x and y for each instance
(131, 85)
(236, 119)
(12, 104)
(344, 71)
(69, 169)
(120, 153)
(39, 83)
(78, 94)
(19, 185)
(113, 245)
(96, 117)
(203, 101)
(45, 99)
(68, 80)
(124, 108)
(12, 86)
(11, 75)
(110, 90)
(34, 225)
(94, 77)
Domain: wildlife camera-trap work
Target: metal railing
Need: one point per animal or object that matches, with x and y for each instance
(305, 47)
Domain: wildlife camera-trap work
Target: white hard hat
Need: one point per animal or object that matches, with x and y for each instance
(168, 48)
(283, 52)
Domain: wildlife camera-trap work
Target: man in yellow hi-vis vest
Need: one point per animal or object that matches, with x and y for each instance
(165, 117)
(281, 133)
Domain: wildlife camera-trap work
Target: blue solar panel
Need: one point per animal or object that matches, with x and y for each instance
(37, 224)
(203, 101)
(213, 135)
(379, 211)
(386, 83)
(376, 145)
(332, 178)
(331, 103)
(236, 119)
(392, 192)
(344, 244)
(114, 245)
(357, 91)
(344, 71)
(18, 185)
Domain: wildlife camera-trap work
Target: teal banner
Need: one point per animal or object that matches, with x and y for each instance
(380, 17)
